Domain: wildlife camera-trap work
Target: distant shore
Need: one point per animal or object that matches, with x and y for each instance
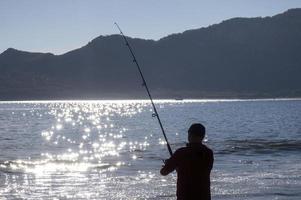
(147, 100)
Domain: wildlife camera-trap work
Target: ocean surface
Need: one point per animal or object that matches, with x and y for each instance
(114, 149)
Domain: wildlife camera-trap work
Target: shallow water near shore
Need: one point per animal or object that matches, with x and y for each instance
(114, 149)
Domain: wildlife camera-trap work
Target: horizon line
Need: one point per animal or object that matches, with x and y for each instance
(148, 101)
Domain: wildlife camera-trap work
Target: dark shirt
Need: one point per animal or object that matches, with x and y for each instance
(193, 165)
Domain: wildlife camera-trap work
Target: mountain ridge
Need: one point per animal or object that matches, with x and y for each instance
(239, 57)
(289, 12)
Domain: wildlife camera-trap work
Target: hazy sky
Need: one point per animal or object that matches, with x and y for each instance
(58, 26)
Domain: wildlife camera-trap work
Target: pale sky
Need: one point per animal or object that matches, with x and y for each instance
(58, 26)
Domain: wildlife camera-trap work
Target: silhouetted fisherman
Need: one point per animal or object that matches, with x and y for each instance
(193, 165)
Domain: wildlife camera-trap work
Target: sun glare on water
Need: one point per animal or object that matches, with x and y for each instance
(78, 143)
(87, 136)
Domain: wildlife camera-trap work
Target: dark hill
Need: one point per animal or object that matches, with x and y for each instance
(240, 57)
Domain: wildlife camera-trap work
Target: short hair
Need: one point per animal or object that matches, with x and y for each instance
(197, 130)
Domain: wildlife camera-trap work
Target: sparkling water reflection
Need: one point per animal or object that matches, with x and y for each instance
(113, 149)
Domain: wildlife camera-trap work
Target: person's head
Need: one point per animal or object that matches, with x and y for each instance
(196, 133)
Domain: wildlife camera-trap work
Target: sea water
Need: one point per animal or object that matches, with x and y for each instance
(114, 149)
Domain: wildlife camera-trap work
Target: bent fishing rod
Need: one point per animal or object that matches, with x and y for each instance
(155, 114)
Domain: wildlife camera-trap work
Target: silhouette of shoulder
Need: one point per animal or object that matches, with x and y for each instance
(192, 148)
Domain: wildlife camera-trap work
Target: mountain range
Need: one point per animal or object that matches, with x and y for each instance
(237, 58)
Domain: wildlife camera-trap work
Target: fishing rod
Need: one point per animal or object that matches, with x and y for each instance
(155, 114)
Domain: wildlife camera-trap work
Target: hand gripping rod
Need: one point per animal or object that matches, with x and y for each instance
(146, 87)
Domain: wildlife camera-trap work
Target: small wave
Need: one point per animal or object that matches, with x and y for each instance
(260, 146)
(50, 166)
(6, 139)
